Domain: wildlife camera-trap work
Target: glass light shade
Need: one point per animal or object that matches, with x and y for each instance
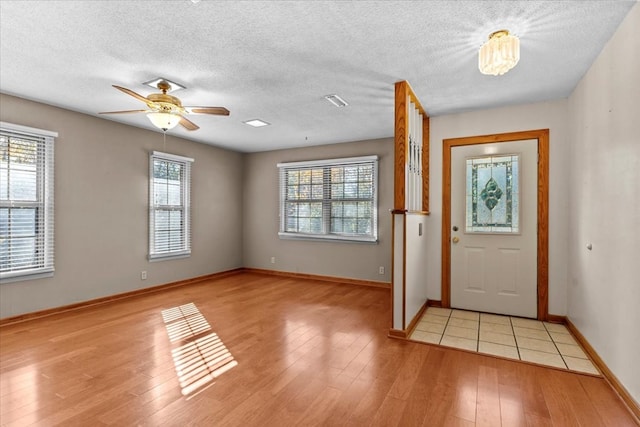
(499, 54)
(164, 121)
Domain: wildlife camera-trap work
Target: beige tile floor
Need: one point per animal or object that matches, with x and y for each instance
(530, 340)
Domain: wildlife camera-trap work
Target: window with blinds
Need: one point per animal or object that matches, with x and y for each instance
(169, 206)
(26, 202)
(330, 199)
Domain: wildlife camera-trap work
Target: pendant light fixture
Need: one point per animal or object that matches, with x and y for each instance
(499, 54)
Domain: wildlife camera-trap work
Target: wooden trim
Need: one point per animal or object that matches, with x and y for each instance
(423, 213)
(401, 144)
(542, 135)
(415, 99)
(416, 319)
(630, 402)
(543, 224)
(116, 297)
(445, 293)
(425, 162)
(401, 135)
(396, 333)
(332, 279)
(555, 318)
(434, 303)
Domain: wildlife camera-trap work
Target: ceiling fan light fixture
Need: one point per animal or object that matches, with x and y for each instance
(164, 121)
(499, 54)
(173, 86)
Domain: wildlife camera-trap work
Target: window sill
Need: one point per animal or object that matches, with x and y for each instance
(168, 257)
(328, 238)
(21, 277)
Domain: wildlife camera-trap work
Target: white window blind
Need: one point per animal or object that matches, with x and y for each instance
(26, 202)
(169, 206)
(330, 199)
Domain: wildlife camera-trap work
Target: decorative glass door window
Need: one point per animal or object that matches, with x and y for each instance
(493, 194)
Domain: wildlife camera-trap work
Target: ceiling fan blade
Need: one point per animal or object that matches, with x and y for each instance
(219, 111)
(135, 95)
(188, 124)
(124, 112)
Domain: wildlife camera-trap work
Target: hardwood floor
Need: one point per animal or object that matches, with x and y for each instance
(307, 353)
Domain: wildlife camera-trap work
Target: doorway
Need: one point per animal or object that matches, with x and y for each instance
(476, 256)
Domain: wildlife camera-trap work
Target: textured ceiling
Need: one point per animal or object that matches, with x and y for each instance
(275, 60)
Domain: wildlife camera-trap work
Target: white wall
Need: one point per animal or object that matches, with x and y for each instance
(545, 115)
(409, 267)
(101, 209)
(604, 283)
(416, 265)
(327, 258)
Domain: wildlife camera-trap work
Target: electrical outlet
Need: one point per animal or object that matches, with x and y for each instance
(273, 260)
(143, 275)
(381, 270)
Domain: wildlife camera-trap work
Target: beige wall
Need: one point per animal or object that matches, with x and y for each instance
(338, 259)
(604, 283)
(101, 209)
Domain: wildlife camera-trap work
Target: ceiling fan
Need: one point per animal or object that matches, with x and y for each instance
(166, 111)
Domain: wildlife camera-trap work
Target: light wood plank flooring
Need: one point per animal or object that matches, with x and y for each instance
(255, 350)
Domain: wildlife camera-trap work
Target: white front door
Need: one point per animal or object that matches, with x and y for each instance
(494, 227)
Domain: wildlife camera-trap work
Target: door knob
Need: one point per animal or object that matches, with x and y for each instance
(455, 240)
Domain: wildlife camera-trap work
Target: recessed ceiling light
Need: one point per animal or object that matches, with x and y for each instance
(336, 100)
(173, 86)
(256, 123)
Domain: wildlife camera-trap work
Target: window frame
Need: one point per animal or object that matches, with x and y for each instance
(185, 207)
(44, 265)
(326, 165)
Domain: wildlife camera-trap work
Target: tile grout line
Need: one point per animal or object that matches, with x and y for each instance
(513, 331)
(478, 335)
(556, 346)
(445, 327)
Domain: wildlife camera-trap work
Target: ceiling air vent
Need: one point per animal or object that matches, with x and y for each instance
(336, 100)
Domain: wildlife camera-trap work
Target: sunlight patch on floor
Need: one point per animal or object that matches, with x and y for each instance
(200, 358)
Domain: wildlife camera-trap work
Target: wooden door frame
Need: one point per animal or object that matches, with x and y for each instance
(542, 136)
